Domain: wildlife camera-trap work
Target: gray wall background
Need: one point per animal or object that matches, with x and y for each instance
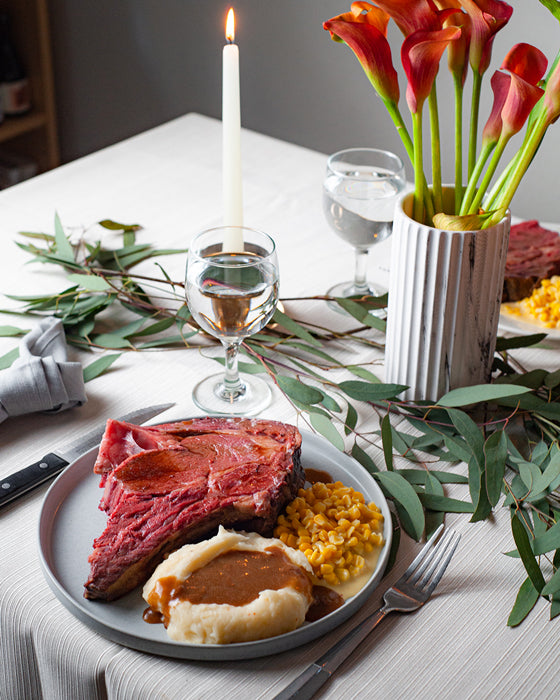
(123, 66)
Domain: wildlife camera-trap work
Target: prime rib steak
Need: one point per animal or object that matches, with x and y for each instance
(533, 255)
(174, 483)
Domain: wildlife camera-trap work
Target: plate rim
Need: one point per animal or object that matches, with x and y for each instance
(71, 478)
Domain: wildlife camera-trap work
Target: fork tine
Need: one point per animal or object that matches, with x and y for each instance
(423, 552)
(451, 547)
(428, 559)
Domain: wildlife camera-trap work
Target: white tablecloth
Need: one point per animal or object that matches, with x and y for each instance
(169, 181)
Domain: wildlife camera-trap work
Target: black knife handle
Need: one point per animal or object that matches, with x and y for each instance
(26, 479)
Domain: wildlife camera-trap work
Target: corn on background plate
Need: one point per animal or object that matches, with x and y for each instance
(70, 520)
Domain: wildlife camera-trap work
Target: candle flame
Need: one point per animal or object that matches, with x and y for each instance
(230, 26)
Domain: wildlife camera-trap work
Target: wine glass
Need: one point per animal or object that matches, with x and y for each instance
(360, 190)
(232, 290)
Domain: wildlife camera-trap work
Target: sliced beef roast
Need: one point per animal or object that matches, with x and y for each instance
(533, 255)
(175, 483)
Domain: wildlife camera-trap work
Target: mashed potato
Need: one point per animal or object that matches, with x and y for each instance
(271, 613)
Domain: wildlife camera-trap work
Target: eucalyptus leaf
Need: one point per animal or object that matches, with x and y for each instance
(524, 603)
(547, 542)
(295, 328)
(63, 247)
(351, 419)
(9, 358)
(92, 283)
(387, 441)
(495, 453)
(325, 426)
(519, 341)
(363, 458)
(406, 496)
(296, 389)
(523, 545)
(362, 391)
(361, 314)
(445, 504)
(12, 331)
(97, 367)
(467, 396)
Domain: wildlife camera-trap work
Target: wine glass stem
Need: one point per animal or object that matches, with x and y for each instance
(232, 387)
(360, 271)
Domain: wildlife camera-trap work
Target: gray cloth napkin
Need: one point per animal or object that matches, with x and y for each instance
(41, 379)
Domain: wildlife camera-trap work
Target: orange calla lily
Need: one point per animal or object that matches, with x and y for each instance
(421, 53)
(365, 33)
(488, 17)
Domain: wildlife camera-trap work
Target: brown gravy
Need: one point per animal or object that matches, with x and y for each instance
(318, 475)
(235, 577)
(325, 601)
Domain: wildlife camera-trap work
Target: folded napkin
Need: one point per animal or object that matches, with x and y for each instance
(41, 379)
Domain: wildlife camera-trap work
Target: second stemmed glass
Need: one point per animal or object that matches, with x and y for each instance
(360, 191)
(232, 292)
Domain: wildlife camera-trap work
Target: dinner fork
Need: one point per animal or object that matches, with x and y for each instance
(409, 593)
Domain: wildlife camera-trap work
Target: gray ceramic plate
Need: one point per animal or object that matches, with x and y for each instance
(70, 521)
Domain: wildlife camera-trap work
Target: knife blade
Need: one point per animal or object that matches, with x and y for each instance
(53, 463)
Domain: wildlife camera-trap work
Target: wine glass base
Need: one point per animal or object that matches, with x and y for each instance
(348, 289)
(257, 396)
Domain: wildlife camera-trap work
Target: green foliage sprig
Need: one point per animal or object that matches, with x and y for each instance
(507, 432)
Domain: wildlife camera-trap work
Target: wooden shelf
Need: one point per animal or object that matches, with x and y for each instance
(33, 134)
(17, 126)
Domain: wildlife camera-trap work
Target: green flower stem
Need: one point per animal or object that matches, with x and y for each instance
(419, 180)
(436, 150)
(526, 156)
(398, 121)
(402, 131)
(470, 192)
(475, 105)
(458, 84)
(506, 173)
(489, 174)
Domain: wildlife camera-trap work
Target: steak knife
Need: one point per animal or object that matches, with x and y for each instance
(54, 462)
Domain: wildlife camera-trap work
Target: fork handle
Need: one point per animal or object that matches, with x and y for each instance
(312, 678)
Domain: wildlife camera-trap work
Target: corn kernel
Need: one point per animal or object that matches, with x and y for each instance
(334, 527)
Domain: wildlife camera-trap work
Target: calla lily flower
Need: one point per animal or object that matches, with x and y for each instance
(365, 35)
(551, 98)
(500, 85)
(488, 17)
(526, 61)
(418, 15)
(516, 94)
(421, 53)
(458, 50)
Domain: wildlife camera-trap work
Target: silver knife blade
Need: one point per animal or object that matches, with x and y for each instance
(53, 463)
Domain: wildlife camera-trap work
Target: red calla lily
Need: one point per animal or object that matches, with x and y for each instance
(515, 95)
(415, 15)
(500, 85)
(526, 61)
(365, 33)
(488, 17)
(420, 54)
(520, 100)
(458, 50)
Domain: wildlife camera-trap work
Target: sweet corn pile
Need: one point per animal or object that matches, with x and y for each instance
(544, 303)
(334, 527)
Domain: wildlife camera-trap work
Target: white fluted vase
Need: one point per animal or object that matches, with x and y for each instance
(445, 293)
